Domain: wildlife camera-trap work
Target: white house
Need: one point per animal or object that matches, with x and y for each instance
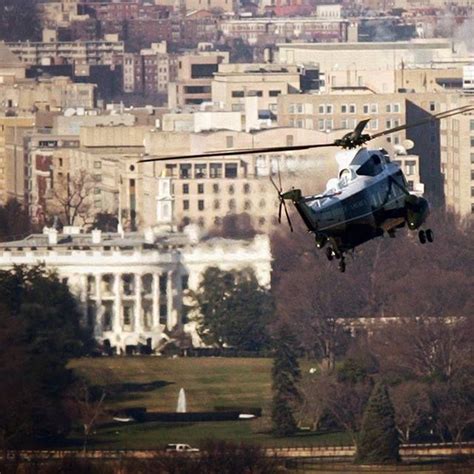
(132, 286)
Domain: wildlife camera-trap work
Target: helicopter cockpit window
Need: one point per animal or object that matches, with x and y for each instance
(372, 167)
(345, 177)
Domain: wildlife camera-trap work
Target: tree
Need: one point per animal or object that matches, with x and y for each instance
(72, 197)
(85, 404)
(42, 319)
(19, 20)
(233, 309)
(285, 377)
(105, 222)
(378, 440)
(14, 221)
(412, 407)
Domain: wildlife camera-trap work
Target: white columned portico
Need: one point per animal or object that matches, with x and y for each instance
(138, 324)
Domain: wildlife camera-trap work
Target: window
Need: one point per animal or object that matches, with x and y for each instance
(232, 205)
(247, 205)
(274, 93)
(184, 282)
(128, 284)
(147, 284)
(237, 93)
(215, 170)
(215, 188)
(321, 124)
(203, 70)
(229, 141)
(185, 188)
(127, 313)
(329, 109)
(372, 167)
(365, 108)
(231, 170)
(352, 109)
(200, 171)
(396, 108)
(472, 141)
(388, 108)
(217, 204)
(185, 205)
(344, 109)
(471, 125)
(163, 313)
(185, 171)
(246, 188)
(432, 106)
(472, 158)
(201, 205)
(231, 189)
(321, 109)
(200, 188)
(410, 167)
(374, 108)
(255, 93)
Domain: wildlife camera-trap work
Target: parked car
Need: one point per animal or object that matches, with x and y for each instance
(181, 448)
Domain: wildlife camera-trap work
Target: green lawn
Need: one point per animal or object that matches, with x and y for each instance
(154, 383)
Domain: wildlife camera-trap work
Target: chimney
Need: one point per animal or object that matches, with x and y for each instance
(96, 236)
(53, 237)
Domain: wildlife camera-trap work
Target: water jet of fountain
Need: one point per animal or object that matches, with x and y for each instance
(181, 406)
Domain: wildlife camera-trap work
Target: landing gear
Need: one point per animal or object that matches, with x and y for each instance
(426, 236)
(429, 235)
(329, 253)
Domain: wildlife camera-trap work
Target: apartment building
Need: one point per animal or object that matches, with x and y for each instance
(270, 30)
(7, 128)
(150, 71)
(69, 52)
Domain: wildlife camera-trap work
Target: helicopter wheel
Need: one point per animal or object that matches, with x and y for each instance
(422, 236)
(329, 253)
(342, 265)
(429, 235)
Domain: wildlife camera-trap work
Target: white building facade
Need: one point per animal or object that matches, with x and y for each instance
(133, 289)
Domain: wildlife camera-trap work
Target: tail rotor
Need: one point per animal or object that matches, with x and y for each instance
(281, 198)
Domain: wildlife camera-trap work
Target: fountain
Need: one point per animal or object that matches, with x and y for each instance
(181, 406)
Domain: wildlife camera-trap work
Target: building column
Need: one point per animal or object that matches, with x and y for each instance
(117, 322)
(156, 301)
(98, 306)
(138, 323)
(171, 319)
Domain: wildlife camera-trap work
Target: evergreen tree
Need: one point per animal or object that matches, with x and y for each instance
(40, 331)
(285, 376)
(378, 438)
(234, 310)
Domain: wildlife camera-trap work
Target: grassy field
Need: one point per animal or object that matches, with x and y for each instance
(154, 383)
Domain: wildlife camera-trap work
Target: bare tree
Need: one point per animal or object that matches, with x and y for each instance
(314, 392)
(426, 347)
(452, 403)
(412, 407)
(72, 197)
(86, 406)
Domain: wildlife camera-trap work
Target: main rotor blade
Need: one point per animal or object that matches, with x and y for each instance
(438, 116)
(274, 185)
(245, 151)
(287, 215)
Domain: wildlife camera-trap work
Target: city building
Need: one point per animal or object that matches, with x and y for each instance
(69, 52)
(372, 65)
(133, 289)
(270, 30)
(194, 78)
(230, 87)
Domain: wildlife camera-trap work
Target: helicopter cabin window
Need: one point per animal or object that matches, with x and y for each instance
(372, 167)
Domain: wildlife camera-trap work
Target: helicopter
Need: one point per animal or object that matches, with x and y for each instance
(369, 198)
